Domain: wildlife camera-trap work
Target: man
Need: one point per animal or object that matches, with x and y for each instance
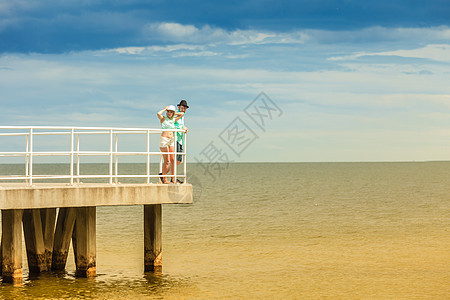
(182, 107)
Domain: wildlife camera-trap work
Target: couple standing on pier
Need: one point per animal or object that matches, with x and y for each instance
(174, 119)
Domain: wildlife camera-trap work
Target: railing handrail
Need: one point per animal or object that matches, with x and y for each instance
(84, 127)
(75, 153)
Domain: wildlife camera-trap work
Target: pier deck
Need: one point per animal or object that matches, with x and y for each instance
(49, 195)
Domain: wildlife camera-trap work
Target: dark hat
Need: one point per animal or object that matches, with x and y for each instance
(183, 103)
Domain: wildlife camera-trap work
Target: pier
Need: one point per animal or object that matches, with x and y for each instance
(52, 211)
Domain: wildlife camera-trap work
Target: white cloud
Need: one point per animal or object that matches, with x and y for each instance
(178, 50)
(174, 29)
(128, 50)
(175, 32)
(436, 52)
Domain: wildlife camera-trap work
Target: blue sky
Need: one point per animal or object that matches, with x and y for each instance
(355, 80)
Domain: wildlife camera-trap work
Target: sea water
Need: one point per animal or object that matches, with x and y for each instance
(277, 231)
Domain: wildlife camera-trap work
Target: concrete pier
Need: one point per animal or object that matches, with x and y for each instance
(63, 235)
(34, 240)
(48, 233)
(12, 245)
(48, 217)
(152, 237)
(85, 241)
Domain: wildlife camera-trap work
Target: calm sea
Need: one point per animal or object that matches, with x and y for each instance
(279, 231)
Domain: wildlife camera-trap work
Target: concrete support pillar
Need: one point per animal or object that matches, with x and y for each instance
(85, 241)
(48, 218)
(74, 242)
(34, 240)
(63, 234)
(12, 245)
(152, 237)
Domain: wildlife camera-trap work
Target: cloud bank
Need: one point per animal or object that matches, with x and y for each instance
(52, 26)
(356, 80)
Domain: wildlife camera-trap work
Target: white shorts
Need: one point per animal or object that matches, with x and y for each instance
(166, 142)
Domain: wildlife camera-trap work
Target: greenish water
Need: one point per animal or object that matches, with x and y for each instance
(278, 231)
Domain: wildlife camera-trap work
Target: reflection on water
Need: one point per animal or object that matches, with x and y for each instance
(318, 230)
(64, 286)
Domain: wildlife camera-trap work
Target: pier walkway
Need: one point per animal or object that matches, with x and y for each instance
(47, 192)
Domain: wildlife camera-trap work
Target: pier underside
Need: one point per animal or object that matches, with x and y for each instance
(48, 232)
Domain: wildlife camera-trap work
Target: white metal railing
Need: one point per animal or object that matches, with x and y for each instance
(74, 152)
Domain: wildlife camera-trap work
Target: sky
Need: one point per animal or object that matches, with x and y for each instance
(266, 81)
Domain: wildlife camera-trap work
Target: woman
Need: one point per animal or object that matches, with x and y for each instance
(166, 141)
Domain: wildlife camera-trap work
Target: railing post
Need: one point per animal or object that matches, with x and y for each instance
(116, 158)
(78, 158)
(31, 158)
(27, 157)
(184, 157)
(71, 156)
(175, 144)
(148, 156)
(110, 156)
(160, 161)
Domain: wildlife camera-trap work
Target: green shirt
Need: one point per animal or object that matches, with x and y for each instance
(180, 125)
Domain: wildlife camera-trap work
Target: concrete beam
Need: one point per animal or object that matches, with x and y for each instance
(20, 196)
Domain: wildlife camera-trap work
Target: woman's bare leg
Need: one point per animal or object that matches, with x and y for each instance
(165, 165)
(171, 166)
